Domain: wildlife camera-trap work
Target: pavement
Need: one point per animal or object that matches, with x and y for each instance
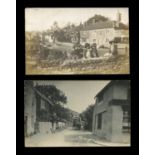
(68, 138)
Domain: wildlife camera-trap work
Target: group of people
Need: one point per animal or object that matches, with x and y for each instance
(86, 51)
(90, 51)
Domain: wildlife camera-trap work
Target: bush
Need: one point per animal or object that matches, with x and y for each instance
(55, 54)
(87, 117)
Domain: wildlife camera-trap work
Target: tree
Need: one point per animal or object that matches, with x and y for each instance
(32, 43)
(55, 30)
(55, 112)
(87, 117)
(97, 18)
(52, 93)
(61, 36)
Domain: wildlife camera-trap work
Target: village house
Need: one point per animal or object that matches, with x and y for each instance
(36, 110)
(39, 115)
(104, 32)
(111, 117)
(43, 112)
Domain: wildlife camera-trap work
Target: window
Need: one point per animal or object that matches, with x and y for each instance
(99, 121)
(126, 121)
(42, 105)
(117, 39)
(83, 39)
(100, 98)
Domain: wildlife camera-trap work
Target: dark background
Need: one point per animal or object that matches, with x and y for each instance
(133, 76)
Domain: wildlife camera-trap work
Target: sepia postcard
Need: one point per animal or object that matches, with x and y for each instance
(61, 113)
(77, 41)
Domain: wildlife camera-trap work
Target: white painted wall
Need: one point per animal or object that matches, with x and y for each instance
(45, 127)
(30, 110)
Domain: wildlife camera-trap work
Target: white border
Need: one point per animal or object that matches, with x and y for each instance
(8, 77)
(147, 77)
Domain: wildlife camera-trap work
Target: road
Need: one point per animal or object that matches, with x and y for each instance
(67, 137)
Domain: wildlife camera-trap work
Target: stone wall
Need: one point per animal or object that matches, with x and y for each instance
(45, 127)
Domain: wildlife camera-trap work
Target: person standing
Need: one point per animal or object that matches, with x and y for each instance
(54, 127)
(113, 48)
(87, 50)
(94, 52)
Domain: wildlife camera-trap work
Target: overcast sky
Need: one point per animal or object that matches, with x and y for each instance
(38, 19)
(80, 94)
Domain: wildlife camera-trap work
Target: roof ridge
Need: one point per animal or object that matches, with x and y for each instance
(103, 24)
(42, 95)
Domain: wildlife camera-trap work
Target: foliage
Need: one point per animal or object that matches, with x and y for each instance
(32, 43)
(87, 117)
(96, 18)
(72, 31)
(65, 34)
(52, 93)
(56, 112)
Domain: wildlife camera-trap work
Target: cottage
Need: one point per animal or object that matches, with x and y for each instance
(36, 110)
(111, 117)
(44, 105)
(103, 32)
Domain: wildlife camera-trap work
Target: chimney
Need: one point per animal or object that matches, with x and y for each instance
(118, 18)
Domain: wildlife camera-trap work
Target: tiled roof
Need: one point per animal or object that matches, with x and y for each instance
(103, 25)
(110, 84)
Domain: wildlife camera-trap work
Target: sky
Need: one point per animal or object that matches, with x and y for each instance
(39, 19)
(80, 94)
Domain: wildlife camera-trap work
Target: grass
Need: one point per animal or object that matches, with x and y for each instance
(119, 65)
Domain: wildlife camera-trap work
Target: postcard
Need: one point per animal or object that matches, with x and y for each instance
(77, 41)
(77, 113)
